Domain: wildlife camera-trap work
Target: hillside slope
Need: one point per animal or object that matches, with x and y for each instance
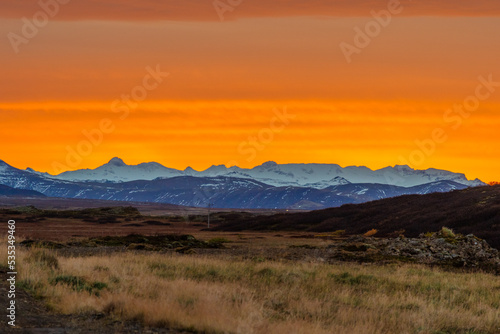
(472, 210)
(6, 191)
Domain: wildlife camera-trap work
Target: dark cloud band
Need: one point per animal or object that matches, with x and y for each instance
(210, 10)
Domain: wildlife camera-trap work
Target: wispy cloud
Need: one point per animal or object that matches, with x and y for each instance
(195, 10)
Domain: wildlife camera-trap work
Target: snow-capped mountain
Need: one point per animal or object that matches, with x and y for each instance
(117, 171)
(318, 176)
(239, 188)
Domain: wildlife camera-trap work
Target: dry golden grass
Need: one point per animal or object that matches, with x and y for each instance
(219, 295)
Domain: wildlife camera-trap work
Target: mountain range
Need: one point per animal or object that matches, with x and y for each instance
(270, 185)
(317, 176)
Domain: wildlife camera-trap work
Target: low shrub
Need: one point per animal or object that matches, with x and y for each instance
(78, 283)
(348, 279)
(43, 258)
(447, 233)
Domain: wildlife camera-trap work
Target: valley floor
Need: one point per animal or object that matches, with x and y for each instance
(254, 289)
(87, 274)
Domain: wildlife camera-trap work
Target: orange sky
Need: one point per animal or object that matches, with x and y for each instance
(226, 78)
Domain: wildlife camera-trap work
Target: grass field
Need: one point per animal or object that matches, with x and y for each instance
(228, 294)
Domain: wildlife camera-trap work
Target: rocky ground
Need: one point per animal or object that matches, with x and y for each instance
(442, 248)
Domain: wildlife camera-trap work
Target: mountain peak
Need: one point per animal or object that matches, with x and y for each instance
(217, 167)
(269, 164)
(117, 162)
(402, 167)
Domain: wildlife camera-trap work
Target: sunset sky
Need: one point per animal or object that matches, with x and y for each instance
(268, 82)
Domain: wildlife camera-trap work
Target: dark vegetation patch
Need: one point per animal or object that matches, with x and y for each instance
(302, 236)
(78, 283)
(100, 215)
(469, 211)
(220, 217)
(304, 246)
(156, 222)
(120, 214)
(42, 244)
(180, 243)
(108, 220)
(349, 279)
(177, 219)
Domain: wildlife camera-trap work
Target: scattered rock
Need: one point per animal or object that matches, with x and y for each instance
(440, 248)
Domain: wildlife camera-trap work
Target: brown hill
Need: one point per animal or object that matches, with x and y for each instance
(472, 210)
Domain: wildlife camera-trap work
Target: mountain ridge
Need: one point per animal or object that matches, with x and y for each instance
(312, 175)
